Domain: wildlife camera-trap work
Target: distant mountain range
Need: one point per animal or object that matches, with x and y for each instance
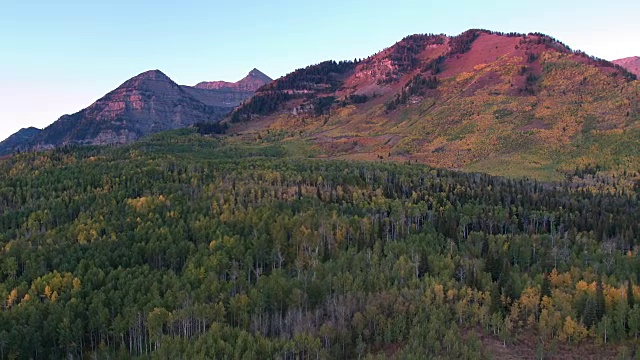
(508, 104)
(147, 103)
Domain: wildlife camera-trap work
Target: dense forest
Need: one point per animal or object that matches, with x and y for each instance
(186, 246)
(323, 78)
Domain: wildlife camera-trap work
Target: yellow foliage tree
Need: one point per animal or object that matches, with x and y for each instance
(573, 331)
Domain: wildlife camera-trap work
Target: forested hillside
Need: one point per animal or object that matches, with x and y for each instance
(505, 104)
(184, 246)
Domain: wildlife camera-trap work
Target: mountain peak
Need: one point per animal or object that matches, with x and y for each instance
(156, 75)
(153, 80)
(252, 82)
(147, 103)
(258, 74)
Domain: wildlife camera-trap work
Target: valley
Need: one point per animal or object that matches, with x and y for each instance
(449, 197)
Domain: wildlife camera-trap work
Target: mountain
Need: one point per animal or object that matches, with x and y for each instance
(18, 141)
(227, 94)
(147, 103)
(631, 63)
(507, 104)
(244, 246)
(252, 82)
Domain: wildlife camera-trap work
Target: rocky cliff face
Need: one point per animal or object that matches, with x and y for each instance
(631, 63)
(148, 103)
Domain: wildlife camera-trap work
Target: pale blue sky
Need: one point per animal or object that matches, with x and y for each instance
(57, 57)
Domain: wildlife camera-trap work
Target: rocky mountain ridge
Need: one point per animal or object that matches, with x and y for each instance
(252, 82)
(147, 103)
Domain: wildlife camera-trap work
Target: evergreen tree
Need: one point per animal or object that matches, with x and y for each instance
(545, 289)
(599, 301)
(630, 297)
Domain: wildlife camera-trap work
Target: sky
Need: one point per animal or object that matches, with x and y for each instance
(58, 57)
